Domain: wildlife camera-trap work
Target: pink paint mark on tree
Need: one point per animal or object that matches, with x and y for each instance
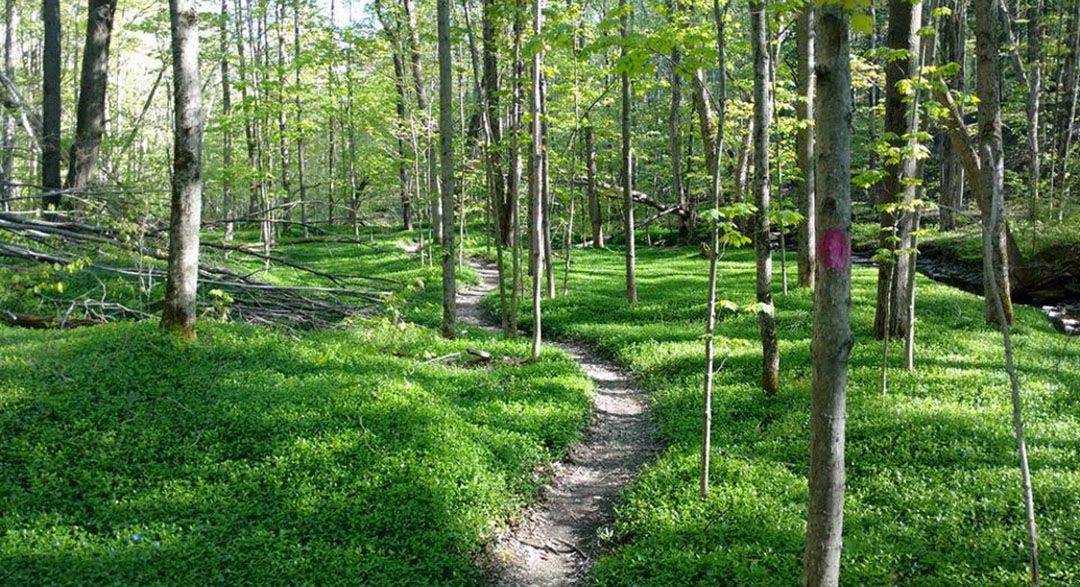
(834, 249)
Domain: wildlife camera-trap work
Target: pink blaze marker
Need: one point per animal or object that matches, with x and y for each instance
(834, 249)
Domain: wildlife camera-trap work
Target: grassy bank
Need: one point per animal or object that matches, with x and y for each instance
(263, 456)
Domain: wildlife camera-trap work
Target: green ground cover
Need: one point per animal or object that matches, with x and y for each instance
(933, 486)
(259, 456)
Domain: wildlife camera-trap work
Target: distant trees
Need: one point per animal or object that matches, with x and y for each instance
(178, 314)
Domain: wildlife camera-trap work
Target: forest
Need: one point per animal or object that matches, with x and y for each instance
(540, 292)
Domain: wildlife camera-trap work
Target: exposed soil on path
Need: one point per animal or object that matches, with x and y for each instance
(556, 544)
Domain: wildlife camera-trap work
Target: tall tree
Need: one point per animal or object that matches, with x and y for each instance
(178, 314)
(984, 161)
(953, 50)
(627, 158)
(832, 339)
(7, 157)
(804, 142)
(714, 255)
(905, 20)
(536, 196)
(90, 116)
(770, 366)
(301, 167)
(50, 112)
(226, 132)
(446, 158)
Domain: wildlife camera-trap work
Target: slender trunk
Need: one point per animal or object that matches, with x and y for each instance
(282, 116)
(422, 104)
(595, 212)
(178, 314)
(51, 112)
(300, 167)
(993, 293)
(7, 164)
(331, 123)
(496, 184)
(832, 339)
(547, 200)
(627, 163)
(714, 251)
(804, 144)
(226, 132)
(675, 139)
(446, 158)
(991, 154)
(536, 196)
(770, 366)
(514, 181)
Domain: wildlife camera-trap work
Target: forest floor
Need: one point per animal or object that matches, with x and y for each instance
(556, 543)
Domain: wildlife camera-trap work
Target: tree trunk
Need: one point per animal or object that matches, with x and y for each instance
(51, 112)
(536, 196)
(678, 195)
(90, 116)
(226, 132)
(627, 163)
(331, 123)
(178, 314)
(7, 163)
(804, 143)
(514, 180)
(422, 105)
(595, 212)
(301, 170)
(714, 251)
(770, 366)
(905, 20)
(283, 129)
(832, 339)
(991, 154)
(953, 46)
(446, 158)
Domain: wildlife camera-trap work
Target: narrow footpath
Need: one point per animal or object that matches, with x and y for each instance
(556, 543)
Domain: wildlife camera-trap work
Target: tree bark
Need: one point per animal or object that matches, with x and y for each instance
(627, 162)
(301, 169)
(178, 314)
(678, 194)
(905, 20)
(7, 164)
(446, 158)
(714, 251)
(804, 143)
(832, 339)
(51, 112)
(90, 115)
(536, 196)
(770, 366)
(226, 113)
(953, 48)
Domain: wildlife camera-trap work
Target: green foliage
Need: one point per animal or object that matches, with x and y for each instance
(360, 456)
(933, 489)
